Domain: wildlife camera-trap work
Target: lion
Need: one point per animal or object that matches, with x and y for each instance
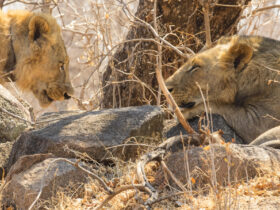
(239, 79)
(33, 55)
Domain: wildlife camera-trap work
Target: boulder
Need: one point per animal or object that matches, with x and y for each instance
(48, 176)
(91, 133)
(10, 126)
(222, 164)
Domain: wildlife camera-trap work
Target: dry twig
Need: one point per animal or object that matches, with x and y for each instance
(179, 184)
(265, 8)
(121, 189)
(170, 145)
(16, 116)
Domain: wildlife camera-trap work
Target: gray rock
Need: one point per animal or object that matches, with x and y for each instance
(49, 175)
(5, 150)
(244, 161)
(25, 162)
(11, 127)
(173, 128)
(92, 132)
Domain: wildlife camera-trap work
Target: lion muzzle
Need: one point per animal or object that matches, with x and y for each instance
(66, 96)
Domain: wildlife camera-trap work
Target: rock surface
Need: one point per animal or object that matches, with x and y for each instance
(232, 162)
(25, 162)
(91, 133)
(11, 127)
(5, 150)
(49, 175)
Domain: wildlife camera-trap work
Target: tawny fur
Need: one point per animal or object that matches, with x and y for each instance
(240, 79)
(41, 63)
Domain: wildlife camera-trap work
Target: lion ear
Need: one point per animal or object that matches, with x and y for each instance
(239, 54)
(37, 26)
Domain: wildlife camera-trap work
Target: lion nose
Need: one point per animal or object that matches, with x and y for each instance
(66, 96)
(170, 89)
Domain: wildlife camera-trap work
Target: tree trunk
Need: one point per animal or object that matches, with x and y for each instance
(2, 3)
(129, 79)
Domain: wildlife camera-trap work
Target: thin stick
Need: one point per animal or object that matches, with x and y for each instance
(6, 74)
(124, 145)
(179, 184)
(160, 79)
(172, 102)
(265, 8)
(121, 189)
(186, 163)
(15, 116)
(88, 172)
(228, 5)
(167, 197)
(159, 56)
(27, 121)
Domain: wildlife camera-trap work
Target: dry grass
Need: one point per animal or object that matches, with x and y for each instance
(259, 193)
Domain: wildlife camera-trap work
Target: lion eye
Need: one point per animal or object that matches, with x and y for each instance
(193, 68)
(61, 67)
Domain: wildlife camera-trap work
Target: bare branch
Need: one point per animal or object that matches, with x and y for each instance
(228, 5)
(205, 5)
(265, 8)
(167, 197)
(163, 87)
(165, 168)
(151, 28)
(159, 56)
(172, 102)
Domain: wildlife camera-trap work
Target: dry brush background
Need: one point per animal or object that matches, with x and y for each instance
(104, 36)
(115, 48)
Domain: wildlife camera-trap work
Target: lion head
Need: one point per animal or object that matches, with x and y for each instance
(42, 63)
(212, 74)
